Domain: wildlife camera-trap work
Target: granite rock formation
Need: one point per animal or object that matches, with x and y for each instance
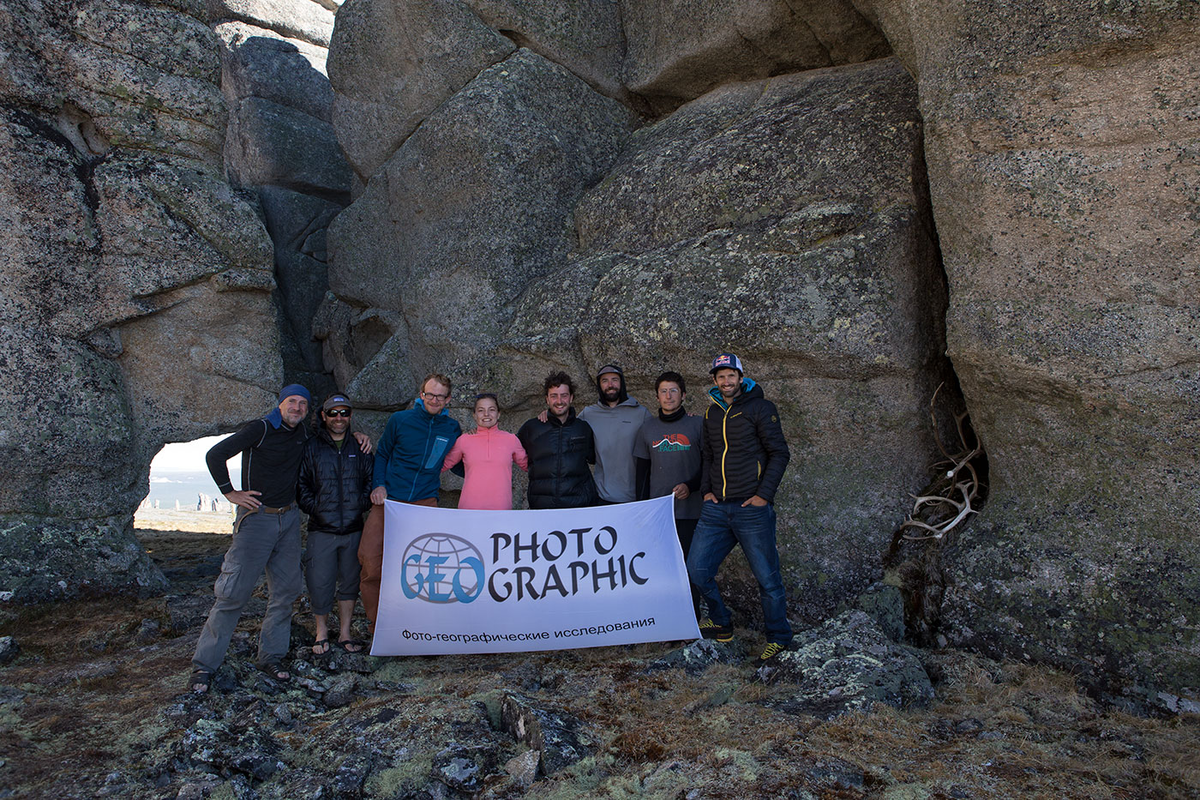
(280, 144)
(136, 281)
(784, 219)
(1062, 145)
(771, 188)
(472, 208)
(787, 218)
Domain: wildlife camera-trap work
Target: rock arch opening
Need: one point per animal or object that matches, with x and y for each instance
(181, 494)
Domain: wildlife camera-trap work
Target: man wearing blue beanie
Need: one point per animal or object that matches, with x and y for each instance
(266, 536)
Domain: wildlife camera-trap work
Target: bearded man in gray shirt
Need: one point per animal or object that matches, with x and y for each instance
(615, 420)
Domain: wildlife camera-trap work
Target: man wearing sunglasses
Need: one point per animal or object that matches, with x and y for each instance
(408, 469)
(335, 491)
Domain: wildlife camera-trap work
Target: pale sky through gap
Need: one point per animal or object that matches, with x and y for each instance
(189, 457)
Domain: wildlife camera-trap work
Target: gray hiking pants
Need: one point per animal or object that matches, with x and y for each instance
(261, 541)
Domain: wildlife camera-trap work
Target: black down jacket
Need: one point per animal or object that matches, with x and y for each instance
(559, 454)
(335, 485)
(744, 452)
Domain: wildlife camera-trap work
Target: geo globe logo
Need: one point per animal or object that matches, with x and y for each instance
(442, 568)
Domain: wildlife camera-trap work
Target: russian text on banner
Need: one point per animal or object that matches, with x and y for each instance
(466, 581)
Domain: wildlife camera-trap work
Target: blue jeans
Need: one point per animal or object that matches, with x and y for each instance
(723, 525)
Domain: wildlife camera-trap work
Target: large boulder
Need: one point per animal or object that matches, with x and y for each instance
(392, 62)
(259, 62)
(147, 76)
(306, 20)
(474, 207)
(1063, 147)
(786, 220)
(136, 283)
(677, 51)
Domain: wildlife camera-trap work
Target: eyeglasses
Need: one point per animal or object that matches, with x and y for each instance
(338, 412)
(432, 396)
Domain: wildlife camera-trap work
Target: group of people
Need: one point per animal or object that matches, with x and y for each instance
(723, 469)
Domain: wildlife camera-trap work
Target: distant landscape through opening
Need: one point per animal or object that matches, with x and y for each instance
(183, 496)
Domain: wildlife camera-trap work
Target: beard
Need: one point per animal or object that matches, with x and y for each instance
(611, 395)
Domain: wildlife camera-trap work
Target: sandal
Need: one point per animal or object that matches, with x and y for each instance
(276, 670)
(200, 681)
(352, 645)
(320, 647)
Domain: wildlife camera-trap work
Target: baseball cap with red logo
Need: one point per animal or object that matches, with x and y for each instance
(726, 361)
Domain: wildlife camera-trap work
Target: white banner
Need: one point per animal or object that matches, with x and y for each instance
(466, 581)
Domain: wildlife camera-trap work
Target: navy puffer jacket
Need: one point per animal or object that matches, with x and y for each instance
(744, 452)
(559, 454)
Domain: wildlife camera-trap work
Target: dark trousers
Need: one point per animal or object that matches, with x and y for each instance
(685, 529)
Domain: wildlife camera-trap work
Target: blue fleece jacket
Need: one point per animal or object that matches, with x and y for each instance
(408, 459)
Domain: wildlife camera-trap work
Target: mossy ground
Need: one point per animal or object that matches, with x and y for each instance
(91, 697)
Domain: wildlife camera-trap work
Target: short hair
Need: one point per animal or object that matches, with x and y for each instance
(558, 379)
(436, 376)
(487, 396)
(671, 377)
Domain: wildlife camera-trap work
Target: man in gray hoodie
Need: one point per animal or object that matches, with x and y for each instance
(615, 420)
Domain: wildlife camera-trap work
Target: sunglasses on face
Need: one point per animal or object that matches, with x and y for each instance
(338, 412)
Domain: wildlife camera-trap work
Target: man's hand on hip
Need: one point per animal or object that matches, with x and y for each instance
(245, 499)
(755, 501)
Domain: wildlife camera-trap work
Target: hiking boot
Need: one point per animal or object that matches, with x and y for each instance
(771, 650)
(720, 633)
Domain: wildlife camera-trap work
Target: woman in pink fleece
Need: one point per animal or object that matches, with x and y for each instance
(487, 455)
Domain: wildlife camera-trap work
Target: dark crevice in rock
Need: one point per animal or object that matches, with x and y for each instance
(917, 563)
(85, 163)
(522, 41)
(329, 195)
(519, 39)
(285, 31)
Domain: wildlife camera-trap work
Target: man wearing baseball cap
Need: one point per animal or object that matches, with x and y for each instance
(744, 456)
(615, 420)
(335, 491)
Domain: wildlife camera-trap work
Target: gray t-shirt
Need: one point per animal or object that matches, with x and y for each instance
(615, 430)
(673, 449)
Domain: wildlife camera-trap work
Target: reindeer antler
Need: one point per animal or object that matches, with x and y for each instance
(961, 466)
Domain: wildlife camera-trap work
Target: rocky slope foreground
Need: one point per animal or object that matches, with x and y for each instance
(91, 706)
(864, 198)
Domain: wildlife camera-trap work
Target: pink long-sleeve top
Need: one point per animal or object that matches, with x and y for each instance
(487, 455)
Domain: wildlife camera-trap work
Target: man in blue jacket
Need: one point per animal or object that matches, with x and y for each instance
(408, 468)
(744, 455)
